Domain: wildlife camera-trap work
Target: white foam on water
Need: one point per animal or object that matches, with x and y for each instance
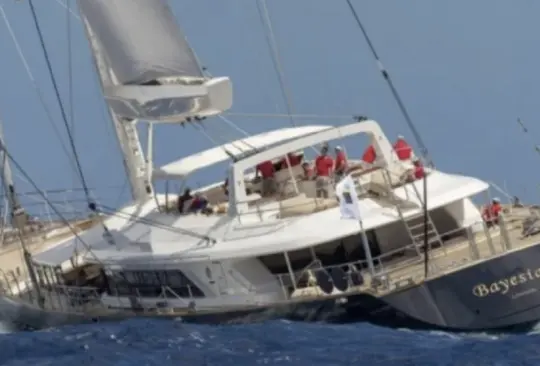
(6, 327)
(535, 329)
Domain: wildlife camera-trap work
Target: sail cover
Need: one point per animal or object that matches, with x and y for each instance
(140, 39)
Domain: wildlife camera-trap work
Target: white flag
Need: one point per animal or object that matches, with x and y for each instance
(348, 199)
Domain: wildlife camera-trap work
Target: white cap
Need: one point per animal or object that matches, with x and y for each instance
(496, 199)
(338, 147)
(400, 136)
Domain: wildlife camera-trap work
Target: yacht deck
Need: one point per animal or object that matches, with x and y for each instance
(398, 271)
(12, 267)
(406, 269)
(457, 253)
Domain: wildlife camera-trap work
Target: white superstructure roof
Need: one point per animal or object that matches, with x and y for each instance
(185, 166)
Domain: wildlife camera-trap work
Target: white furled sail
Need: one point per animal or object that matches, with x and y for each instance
(153, 72)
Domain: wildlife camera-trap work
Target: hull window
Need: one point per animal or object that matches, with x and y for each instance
(152, 284)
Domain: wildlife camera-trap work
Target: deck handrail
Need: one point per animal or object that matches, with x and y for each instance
(391, 277)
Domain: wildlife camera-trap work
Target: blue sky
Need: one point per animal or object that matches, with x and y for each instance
(465, 69)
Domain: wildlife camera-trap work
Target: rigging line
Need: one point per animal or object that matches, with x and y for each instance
(122, 191)
(230, 123)
(156, 224)
(226, 120)
(233, 125)
(281, 115)
(411, 125)
(69, 9)
(250, 148)
(202, 130)
(60, 190)
(96, 86)
(270, 40)
(526, 132)
(91, 205)
(70, 71)
(207, 73)
(45, 198)
(36, 88)
(394, 91)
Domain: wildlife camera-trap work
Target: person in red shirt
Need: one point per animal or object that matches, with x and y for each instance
(491, 213)
(418, 170)
(266, 171)
(402, 148)
(341, 166)
(294, 160)
(324, 166)
(369, 155)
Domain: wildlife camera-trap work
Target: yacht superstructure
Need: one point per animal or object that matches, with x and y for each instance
(419, 253)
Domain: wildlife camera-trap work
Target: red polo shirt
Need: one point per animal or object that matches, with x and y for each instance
(369, 155)
(324, 165)
(341, 161)
(266, 168)
(491, 212)
(419, 172)
(293, 159)
(403, 149)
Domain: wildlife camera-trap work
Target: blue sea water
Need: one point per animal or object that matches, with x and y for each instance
(151, 342)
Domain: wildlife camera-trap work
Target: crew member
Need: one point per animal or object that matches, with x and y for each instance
(324, 165)
(341, 165)
(403, 149)
(307, 171)
(369, 155)
(182, 199)
(225, 187)
(491, 212)
(293, 159)
(266, 171)
(417, 171)
(198, 204)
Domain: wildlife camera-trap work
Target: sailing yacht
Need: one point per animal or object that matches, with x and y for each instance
(418, 254)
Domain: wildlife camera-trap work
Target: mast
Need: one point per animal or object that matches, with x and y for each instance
(15, 207)
(148, 72)
(18, 215)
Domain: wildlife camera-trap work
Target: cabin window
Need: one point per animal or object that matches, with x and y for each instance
(152, 284)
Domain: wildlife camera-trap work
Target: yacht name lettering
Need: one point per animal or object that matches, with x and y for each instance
(504, 285)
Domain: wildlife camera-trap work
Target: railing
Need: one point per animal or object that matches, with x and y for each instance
(392, 273)
(72, 299)
(68, 205)
(53, 296)
(319, 204)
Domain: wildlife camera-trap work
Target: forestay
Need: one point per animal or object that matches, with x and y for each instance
(151, 72)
